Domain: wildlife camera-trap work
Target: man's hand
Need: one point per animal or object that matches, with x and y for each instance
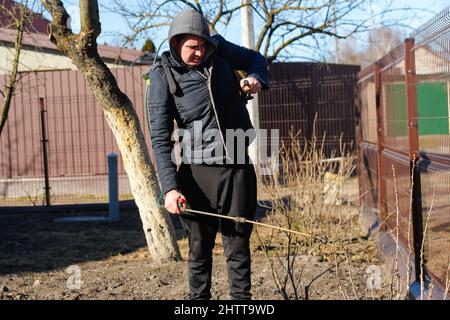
(250, 85)
(172, 199)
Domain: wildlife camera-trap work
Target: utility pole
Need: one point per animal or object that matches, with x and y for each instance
(248, 41)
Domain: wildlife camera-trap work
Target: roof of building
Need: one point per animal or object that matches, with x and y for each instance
(37, 23)
(36, 35)
(39, 40)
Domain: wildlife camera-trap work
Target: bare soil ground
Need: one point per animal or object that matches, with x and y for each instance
(36, 255)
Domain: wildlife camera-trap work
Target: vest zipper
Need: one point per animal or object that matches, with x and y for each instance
(215, 111)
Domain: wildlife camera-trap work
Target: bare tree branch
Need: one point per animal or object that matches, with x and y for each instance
(219, 13)
(12, 80)
(302, 21)
(90, 20)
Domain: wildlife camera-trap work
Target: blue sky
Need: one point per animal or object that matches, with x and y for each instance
(113, 23)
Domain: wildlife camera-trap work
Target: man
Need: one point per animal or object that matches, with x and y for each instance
(195, 85)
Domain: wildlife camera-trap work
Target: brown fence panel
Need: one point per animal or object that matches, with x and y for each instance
(286, 104)
(393, 100)
(367, 133)
(367, 90)
(304, 95)
(79, 138)
(435, 178)
(396, 175)
(368, 176)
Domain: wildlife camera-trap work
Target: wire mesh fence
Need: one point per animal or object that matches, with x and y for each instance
(54, 111)
(408, 92)
(312, 99)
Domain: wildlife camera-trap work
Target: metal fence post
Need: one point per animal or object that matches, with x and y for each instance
(113, 188)
(380, 147)
(44, 153)
(414, 154)
(357, 99)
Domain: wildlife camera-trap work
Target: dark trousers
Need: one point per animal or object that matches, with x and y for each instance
(227, 190)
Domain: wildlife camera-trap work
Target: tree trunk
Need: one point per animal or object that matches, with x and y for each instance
(122, 119)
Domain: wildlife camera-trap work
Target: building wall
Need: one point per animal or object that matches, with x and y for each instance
(33, 60)
(38, 60)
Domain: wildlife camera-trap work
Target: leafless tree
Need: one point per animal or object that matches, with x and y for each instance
(379, 43)
(280, 26)
(17, 18)
(119, 112)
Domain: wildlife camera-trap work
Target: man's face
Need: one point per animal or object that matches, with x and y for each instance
(192, 50)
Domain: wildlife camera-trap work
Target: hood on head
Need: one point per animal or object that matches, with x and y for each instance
(191, 22)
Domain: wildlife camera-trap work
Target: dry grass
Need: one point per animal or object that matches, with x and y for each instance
(305, 196)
